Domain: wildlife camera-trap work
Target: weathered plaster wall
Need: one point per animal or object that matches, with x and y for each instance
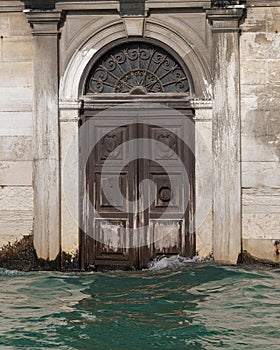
(16, 195)
(260, 110)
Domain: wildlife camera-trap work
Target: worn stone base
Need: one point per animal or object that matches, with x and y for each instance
(263, 249)
(22, 256)
(247, 259)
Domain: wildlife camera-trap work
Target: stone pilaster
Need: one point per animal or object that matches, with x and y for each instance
(46, 173)
(226, 133)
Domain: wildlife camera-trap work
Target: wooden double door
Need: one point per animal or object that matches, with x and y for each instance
(138, 192)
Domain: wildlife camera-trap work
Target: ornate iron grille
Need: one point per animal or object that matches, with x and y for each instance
(138, 69)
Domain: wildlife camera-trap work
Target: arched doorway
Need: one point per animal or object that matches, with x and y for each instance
(137, 158)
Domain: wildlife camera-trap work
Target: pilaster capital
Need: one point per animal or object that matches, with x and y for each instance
(44, 22)
(225, 20)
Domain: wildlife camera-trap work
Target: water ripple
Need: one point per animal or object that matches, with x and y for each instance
(193, 306)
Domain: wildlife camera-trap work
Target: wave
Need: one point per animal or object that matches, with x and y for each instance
(5, 272)
(174, 262)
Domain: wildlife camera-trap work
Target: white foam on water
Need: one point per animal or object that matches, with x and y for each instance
(173, 262)
(5, 272)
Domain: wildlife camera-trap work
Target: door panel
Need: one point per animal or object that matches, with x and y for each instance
(164, 196)
(166, 237)
(111, 202)
(129, 227)
(169, 169)
(108, 238)
(111, 239)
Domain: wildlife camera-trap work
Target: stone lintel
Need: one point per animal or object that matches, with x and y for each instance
(44, 22)
(225, 20)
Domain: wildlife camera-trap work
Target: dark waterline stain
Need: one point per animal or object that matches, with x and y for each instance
(22, 256)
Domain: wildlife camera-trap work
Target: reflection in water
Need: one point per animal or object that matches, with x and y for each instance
(195, 306)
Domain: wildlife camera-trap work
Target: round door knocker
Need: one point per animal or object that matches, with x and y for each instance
(165, 194)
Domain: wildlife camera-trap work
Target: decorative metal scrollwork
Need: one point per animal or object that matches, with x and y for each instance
(137, 68)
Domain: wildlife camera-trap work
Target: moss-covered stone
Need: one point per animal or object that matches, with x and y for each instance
(22, 256)
(247, 259)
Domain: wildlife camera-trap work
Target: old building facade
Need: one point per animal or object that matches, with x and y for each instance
(65, 64)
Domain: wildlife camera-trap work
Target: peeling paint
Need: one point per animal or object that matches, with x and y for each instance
(208, 88)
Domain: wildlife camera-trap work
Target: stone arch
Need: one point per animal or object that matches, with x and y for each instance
(189, 46)
(190, 55)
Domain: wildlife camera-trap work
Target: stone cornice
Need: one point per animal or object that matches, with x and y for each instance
(225, 20)
(87, 5)
(262, 3)
(70, 105)
(18, 6)
(11, 6)
(201, 104)
(43, 22)
(164, 4)
(115, 5)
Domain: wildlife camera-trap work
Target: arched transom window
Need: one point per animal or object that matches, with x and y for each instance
(137, 68)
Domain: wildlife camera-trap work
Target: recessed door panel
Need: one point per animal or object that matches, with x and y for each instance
(167, 193)
(108, 140)
(166, 237)
(111, 239)
(107, 199)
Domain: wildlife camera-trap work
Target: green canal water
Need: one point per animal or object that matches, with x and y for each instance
(174, 305)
